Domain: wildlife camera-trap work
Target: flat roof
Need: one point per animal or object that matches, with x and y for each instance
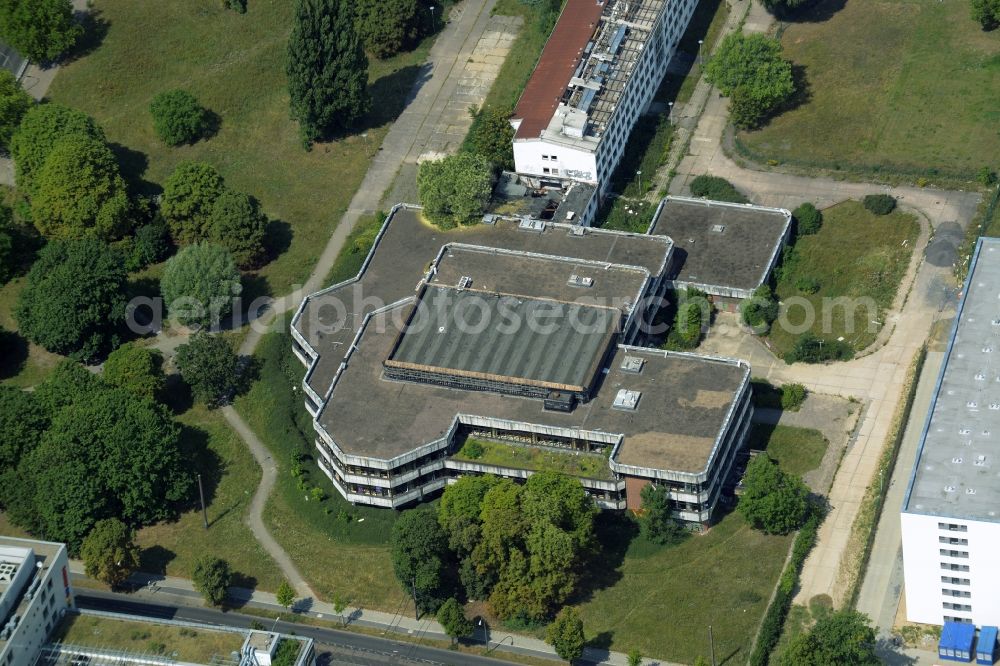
(329, 320)
(721, 244)
(956, 473)
(470, 333)
(555, 67)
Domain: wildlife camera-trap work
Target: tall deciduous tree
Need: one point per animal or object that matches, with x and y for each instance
(212, 577)
(749, 68)
(452, 618)
(238, 224)
(565, 634)
(137, 369)
(199, 284)
(178, 117)
(79, 191)
(772, 500)
(843, 637)
(455, 190)
(74, 298)
(42, 127)
(656, 521)
(39, 29)
(491, 136)
(109, 552)
(210, 367)
(285, 595)
(327, 69)
(419, 556)
(23, 421)
(388, 26)
(188, 198)
(14, 104)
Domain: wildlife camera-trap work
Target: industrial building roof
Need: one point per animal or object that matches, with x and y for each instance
(721, 244)
(584, 68)
(539, 342)
(555, 67)
(956, 473)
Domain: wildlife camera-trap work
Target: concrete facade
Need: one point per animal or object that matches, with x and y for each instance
(35, 593)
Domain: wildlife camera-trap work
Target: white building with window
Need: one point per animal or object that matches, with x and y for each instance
(598, 72)
(951, 512)
(35, 593)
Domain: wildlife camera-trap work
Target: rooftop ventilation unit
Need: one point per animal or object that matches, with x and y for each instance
(632, 364)
(718, 228)
(531, 224)
(580, 281)
(7, 571)
(464, 282)
(970, 491)
(980, 461)
(626, 400)
(576, 231)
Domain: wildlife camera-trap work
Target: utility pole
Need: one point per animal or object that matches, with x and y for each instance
(201, 494)
(711, 644)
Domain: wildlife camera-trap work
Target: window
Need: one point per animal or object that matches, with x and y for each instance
(965, 594)
(947, 605)
(555, 172)
(951, 580)
(954, 567)
(954, 553)
(554, 157)
(952, 527)
(545, 169)
(954, 541)
(545, 157)
(952, 618)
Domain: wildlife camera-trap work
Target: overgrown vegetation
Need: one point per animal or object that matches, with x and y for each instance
(750, 70)
(788, 397)
(716, 189)
(692, 316)
(454, 190)
(879, 204)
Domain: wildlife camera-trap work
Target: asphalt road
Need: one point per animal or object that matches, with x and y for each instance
(333, 647)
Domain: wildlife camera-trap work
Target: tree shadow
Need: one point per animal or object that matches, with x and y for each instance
(155, 559)
(813, 12)
(246, 581)
(731, 656)
(13, 354)
(391, 94)
(277, 238)
(615, 532)
(212, 126)
(177, 394)
(133, 165)
(803, 90)
(95, 29)
(203, 461)
(602, 641)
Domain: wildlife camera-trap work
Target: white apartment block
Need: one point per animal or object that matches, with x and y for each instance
(35, 593)
(951, 512)
(599, 70)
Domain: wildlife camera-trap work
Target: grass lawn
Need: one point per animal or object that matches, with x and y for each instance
(855, 254)
(172, 547)
(199, 646)
(661, 602)
(339, 548)
(589, 465)
(235, 65)
(796, 450)
(901, 85)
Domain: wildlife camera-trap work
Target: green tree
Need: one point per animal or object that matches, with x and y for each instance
(42, 30)
(339, 606)
(135, 368)
(986, 13)
(716, 189)
(188, 198)
(178, 117)
(238, 224)
(565, 634)
(109, 552)
(634, 657)
(455, 190)
(212, 577)
(491, 136)
(773, 501)
(42, 127)
(656, 521)
(23, 421)
(419, 557)
(14, 104)
(842, 637)
(150, 244)
(210, 367)
(327, 69)
(9, 259)
(79, 191)
(879, 204)
(285, 595)
(387, 26)
(459, 511)
(199, 284)
(749, 69)
(451, 615)
(66, 384)
(808, 219)
(760, 310)
(73, 299)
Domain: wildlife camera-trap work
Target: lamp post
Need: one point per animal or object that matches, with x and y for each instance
(670, 113)
(639, 174)
(432, 8)
(700, 42)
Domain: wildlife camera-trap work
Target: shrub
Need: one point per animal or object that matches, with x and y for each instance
(42, 127)
(760, 310)
(750, 70)
(14, 104)
(808, 219)
(880, 204)
(717, 189)
(693, 314)
(178, 118)
(150, 244)
(807, 285)
(211, 577)
(188, 197)
(455, 190)
(490, 136)
(772, 500)
(238, 6)
(986, 13)
(387, 26)
(792, 397)
(199, 284)
(986, 176)
(473, 449)
(810, 349)
(238, 224)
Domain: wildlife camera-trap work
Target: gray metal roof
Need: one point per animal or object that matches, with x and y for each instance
(956, 473)
(558, 345)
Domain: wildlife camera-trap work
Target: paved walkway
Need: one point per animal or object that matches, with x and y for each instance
(181, 592)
